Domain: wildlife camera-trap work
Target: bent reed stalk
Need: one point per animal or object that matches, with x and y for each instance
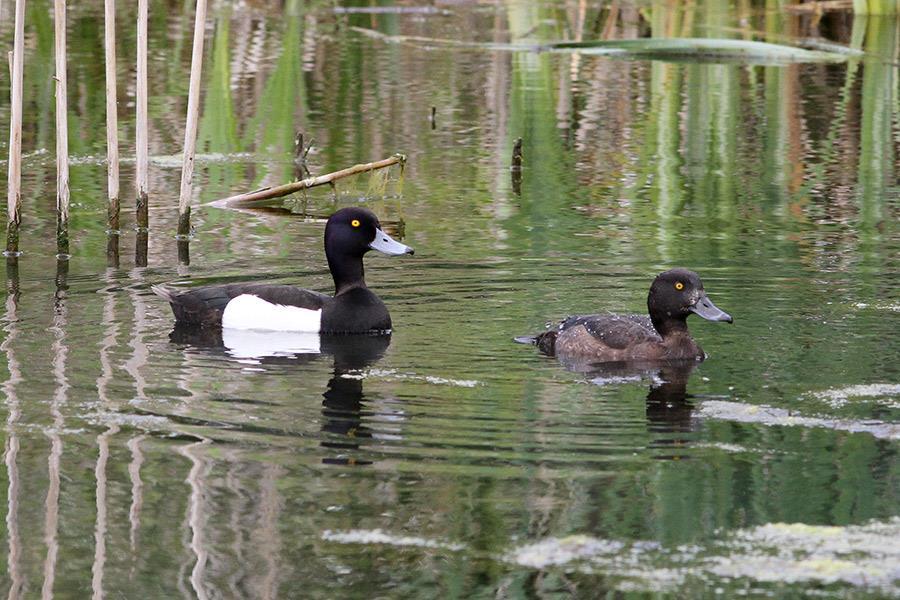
(257, 197)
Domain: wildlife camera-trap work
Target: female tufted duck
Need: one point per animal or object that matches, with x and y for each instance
(664, 335)
(349, 234)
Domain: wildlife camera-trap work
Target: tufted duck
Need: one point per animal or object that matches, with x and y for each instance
(674, 295)
(349, 234)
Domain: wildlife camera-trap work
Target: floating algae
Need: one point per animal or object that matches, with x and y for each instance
(769, 415)
(377, 536)
(863, 557)
(393, 374)
(883, 394)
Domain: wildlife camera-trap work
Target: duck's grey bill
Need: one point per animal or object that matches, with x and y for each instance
(709, 311)
(385, 243)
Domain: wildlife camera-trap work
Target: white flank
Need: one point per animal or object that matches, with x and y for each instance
(246, 343)
(252, 312)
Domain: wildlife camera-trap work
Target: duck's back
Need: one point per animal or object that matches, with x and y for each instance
(604, 337)
(206, 305)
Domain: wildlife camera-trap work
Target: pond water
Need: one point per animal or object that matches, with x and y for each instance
(446, 460)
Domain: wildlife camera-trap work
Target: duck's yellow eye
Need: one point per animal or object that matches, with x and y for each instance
(679, 285)
(355, 222)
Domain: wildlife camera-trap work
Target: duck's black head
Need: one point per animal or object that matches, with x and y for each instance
(674, 295)
(355, 231)
(349, 234)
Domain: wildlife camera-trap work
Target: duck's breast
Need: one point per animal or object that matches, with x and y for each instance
(358, 310)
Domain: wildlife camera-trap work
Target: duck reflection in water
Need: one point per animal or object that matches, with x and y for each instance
(344, 397)
(342, 408)
(668, 405)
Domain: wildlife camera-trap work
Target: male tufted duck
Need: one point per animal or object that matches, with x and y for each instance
(664, 335)
(349, 234)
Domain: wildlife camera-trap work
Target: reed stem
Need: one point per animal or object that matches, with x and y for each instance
(112, 119)
(14, 173)
(62, 132)
(190, 130)
(142, 152)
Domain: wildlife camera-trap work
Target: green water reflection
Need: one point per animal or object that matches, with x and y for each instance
(142, 461)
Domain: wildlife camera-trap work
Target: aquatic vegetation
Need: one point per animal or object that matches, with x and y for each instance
(865, 556)
(377, 536)
(770, 415)
(394, 374)
(882, 394)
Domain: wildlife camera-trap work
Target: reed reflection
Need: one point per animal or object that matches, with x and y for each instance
(60, 352)
(197, 516)
(103, 381)
(141, 245)
(112, 250)
(11, 447)
(184, 252)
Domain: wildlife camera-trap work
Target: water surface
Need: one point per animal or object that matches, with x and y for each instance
(445, 460)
